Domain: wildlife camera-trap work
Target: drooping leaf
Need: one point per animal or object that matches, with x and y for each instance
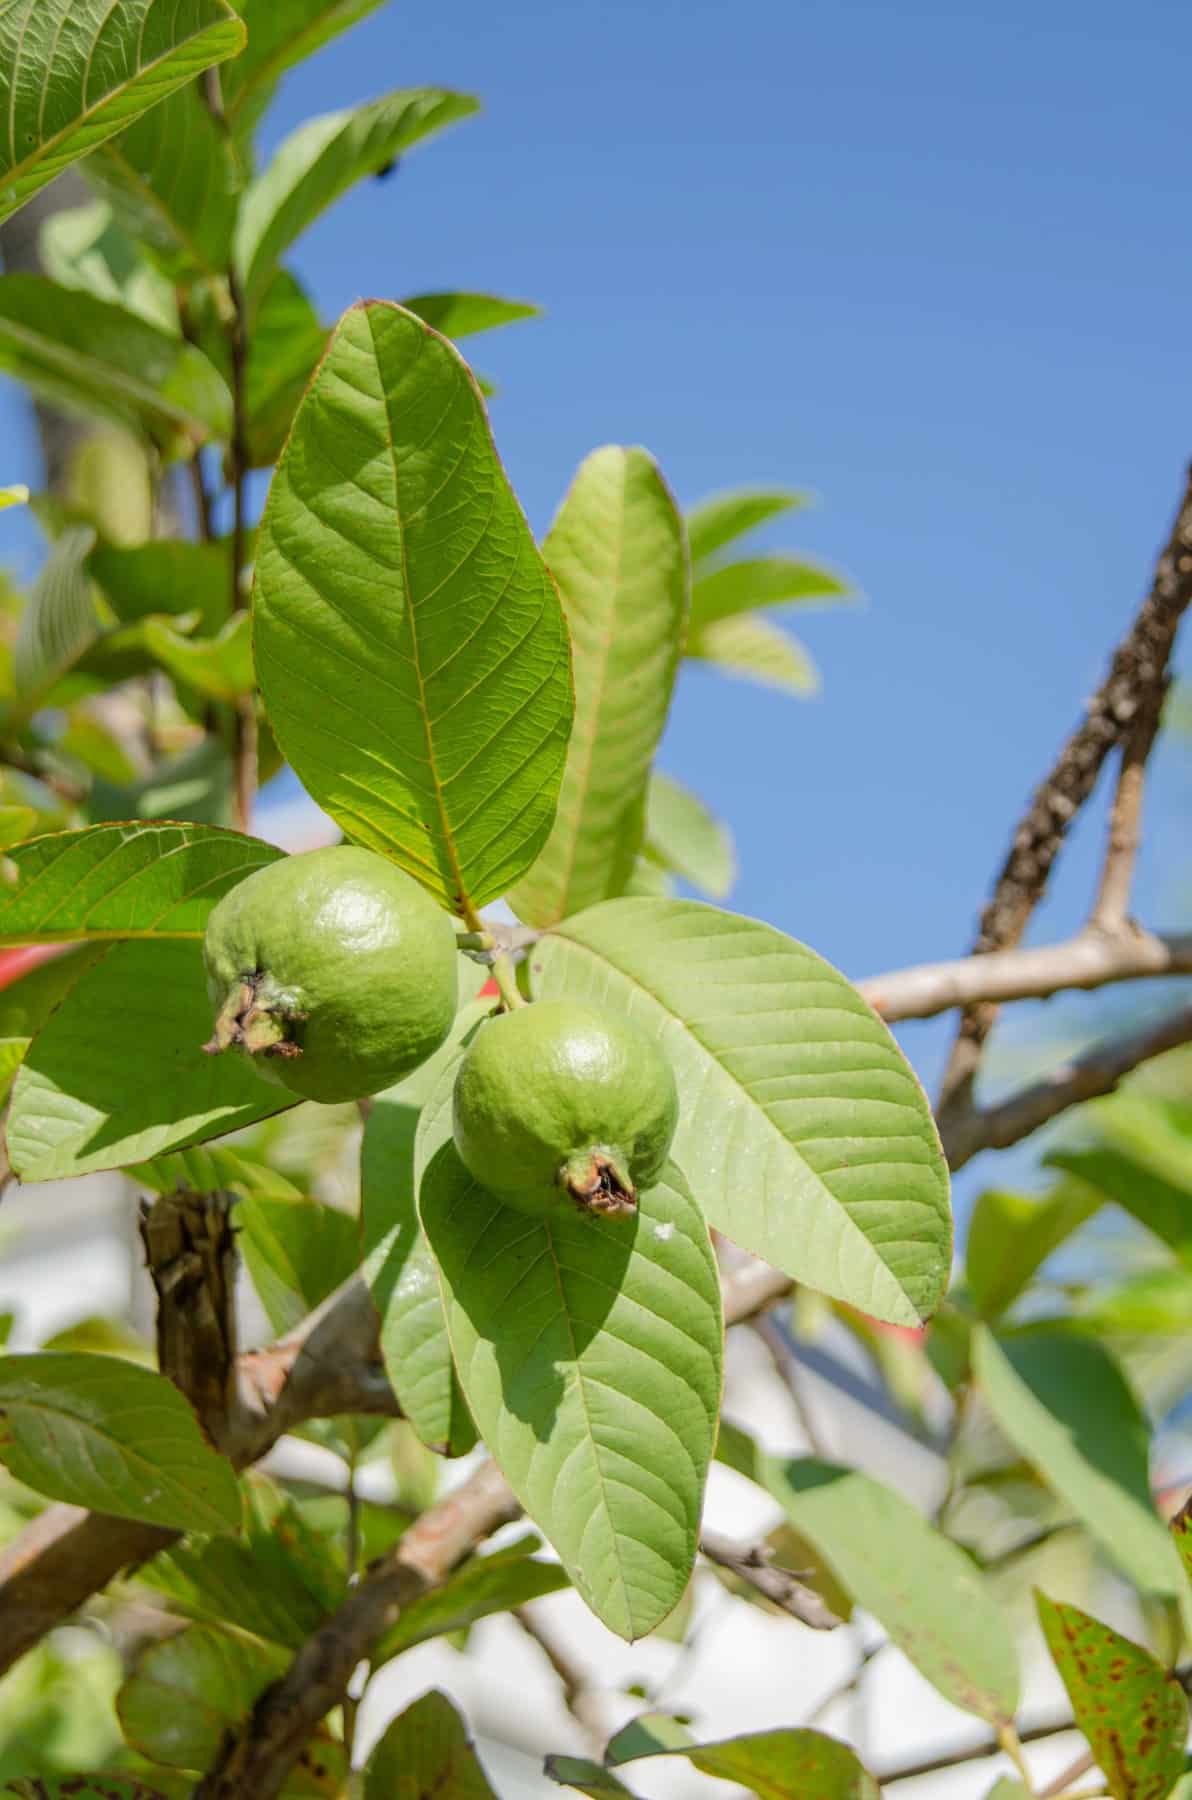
(58, 624)
(922, 1587)
(321, 160)
(803, 1130)
(297, 1251)
(461, 315)
(616, 550)
(752, 647)
(409, 642)
(1064, 1403)
(485, 1585)
(100, 1432)
(117, 1075)
(96, 357)
(776, 1765)
(685, 838)
(591, 1360)
(72, 72)
(426, 1750)
(1131, 1710)
(167, 575)
(287, 340)
(745, 587)
(1164, 1206)
(124, 881)
(279, 37)
(172, 180)
(1011, 1235)
(721, 518)
(397, 1263)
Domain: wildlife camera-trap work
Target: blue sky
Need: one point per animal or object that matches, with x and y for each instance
(929, 261)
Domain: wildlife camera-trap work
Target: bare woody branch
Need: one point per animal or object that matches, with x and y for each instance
(1085, 1077)
(754, 1564)
(1126, 701)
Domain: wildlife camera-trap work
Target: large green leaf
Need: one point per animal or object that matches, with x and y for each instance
(683, 837)
(426, 1750)
(123, 881)
(172, 181)
(803, 1130)
(750, 646)
(1011, 1235)
(590, 1357)
(100, 1432)
(72, 72)
(1131, 1710)
(616, 550)
(118, 1075)
(776, 1765)
(776, 580)
(1063, 1402)
(321, 160)
(96, 357)
(461, 315)
(721, 518)
(926, 1592)
(410, 644)
(398, 1265)
(485, 1585)
(167, 575)
(59, 623)
(278, 37)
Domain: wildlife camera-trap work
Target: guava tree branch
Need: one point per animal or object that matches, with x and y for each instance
(754, 1563)
(1121, 713)
(1085, 1077)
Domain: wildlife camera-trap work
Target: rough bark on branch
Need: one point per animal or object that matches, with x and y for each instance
(754, 1563)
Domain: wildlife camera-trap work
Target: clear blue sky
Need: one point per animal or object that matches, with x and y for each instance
(932, 261)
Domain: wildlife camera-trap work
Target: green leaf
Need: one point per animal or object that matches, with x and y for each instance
(297, 1251)
(685, 838)
(426, 1750)
(165, 576)
(462, 315)
(1164, 1206)
(803, 1130)
(427, 711)
(83, 247)
(124, 881)
(186, 1691)
(485, 1585)
(117, 1075)
(26, 1003)
(616, 550)
(1010, 1236)
(73, 72)
(59, 623)
(397, 1263)
(650, 1734)
(196, 784)
(1131, 1710)
(218, 667)
(590, 1778)
(287, 340)
(278, 37)
(172, 181)
(923, 1588)
(82, 1787)
(15, 495)
(750, 646)
(776, 1765)
(776, 580)
(597, 1388)
(1006, 1788)
(206, 1168)
(100, 1432)
(93, 356)
(1064, 1403)
(721, 518)
(322, 160)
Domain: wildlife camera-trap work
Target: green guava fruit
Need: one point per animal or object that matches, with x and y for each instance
(560, 1099)
(333, 970)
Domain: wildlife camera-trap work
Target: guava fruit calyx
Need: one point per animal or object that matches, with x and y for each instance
(254, 1022)
(599, 1183)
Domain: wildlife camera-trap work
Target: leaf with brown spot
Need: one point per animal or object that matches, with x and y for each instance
(1131, 1710)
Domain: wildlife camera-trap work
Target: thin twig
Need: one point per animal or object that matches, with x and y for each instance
(753, 1563)
(202, 499)
(1137, 673)
(1086, 1077)
(578, 1695)
(1083, 1763)
(1112, 904)
(782, 1355)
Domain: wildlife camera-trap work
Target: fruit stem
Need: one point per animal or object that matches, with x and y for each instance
(474, 940)
(506, 979)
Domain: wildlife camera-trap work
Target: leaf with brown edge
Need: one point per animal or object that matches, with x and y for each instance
(1132, 1711)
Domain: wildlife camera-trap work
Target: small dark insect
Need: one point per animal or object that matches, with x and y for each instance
(387, 169)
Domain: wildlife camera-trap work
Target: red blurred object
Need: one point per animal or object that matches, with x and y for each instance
(15, 963)
(489, 991)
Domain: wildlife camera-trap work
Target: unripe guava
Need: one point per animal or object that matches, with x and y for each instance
(333, 970)
(559, 1099)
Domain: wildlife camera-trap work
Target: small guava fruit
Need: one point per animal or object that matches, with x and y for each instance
(559, 1099)
(333, 970)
